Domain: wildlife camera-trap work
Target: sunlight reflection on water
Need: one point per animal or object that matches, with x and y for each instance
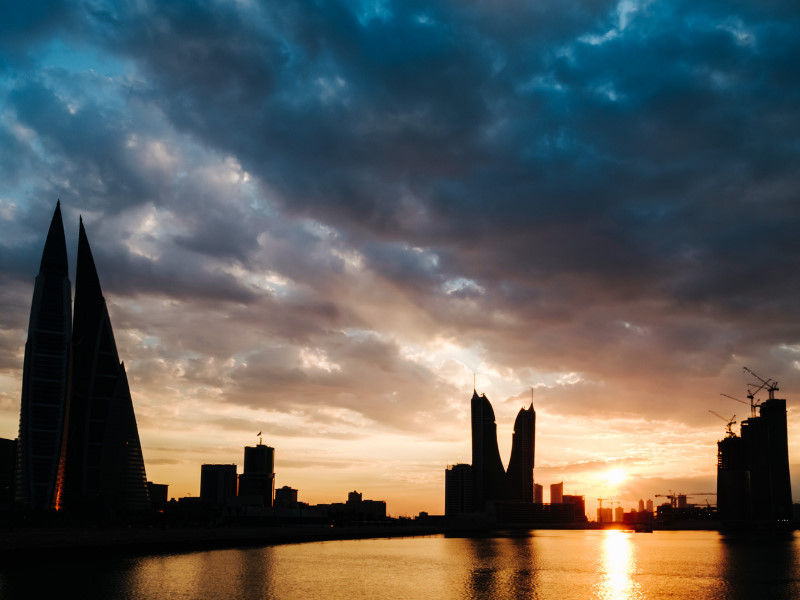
(606, 565)
(618, 565)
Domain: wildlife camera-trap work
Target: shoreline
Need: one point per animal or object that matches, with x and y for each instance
(20, 545)
(81, 543)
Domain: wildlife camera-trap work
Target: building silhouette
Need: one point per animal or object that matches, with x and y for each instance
(459, 490)
(579, 504)
(484, 485)
(158, 493)
(619, 514)
(605, 515)
(104, 468)
(520, 466)
(44, 377)
(753, 482)
(257, 482)
(218, 484)
(489, 477)
(285, 497)
(8, 470)
(365, 509)
(538, 493)
(79, 445)
(556, 493)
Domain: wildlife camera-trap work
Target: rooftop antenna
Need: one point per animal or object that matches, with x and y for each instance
(258, 435)
(473, 381)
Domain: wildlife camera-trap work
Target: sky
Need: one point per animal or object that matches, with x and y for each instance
(325, 220)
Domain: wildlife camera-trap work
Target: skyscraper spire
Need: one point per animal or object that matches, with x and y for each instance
(44, 377)
(54, 256)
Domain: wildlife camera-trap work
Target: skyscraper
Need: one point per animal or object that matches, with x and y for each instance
(767, 446)
(488, 474)
(753, 482)
(520, 466)
(556, 492)
(538, 493)
(459, 490)
(44, 377)
(257, 482)
(217, 484)
(733, 479)
(104, 469)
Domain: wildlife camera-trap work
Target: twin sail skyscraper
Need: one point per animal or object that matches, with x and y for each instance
(472, 488)
(79, 446)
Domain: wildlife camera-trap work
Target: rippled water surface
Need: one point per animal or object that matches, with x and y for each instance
(542, 564)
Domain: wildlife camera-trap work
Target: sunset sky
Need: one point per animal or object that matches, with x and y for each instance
(319, 219)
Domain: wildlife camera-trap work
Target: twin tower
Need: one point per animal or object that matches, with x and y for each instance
(469, 488)
(79, 445)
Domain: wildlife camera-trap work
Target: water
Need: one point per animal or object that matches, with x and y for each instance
(610, 565)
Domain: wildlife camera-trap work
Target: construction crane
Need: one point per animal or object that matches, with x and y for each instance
(600, 510)
(730, 422)
(752, 404)
(673, 498)
(770, 384)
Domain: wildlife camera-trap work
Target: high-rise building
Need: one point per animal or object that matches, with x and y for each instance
(520, 466)
(158, 493)
(733, 479)
(217, 484)
(104, 468)
(579, 504)
(459, 490)
(619, 514)
(649, 506)
(605, 515)
(556, 493)
(257, 482)
(753, 482)
(488, 473)
(44, 377)
(766, 438)
(79, 445)
(641, 505)
(538, 493)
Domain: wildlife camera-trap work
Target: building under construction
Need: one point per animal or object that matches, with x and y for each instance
(753, 485)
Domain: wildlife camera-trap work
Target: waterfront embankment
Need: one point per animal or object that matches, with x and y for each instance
(42, 544)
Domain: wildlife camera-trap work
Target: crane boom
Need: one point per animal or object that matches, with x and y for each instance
(729, 422)
(770, 384)
(750, 404)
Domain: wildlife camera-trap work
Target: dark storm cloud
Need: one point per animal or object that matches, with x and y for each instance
(554, 180)
(454, 126)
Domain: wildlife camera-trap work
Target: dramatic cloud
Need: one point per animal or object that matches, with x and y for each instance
(320, 219)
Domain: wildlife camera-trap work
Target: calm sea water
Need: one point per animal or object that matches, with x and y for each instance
(542, 564)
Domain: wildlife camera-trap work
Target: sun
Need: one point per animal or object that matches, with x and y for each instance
(616, 476)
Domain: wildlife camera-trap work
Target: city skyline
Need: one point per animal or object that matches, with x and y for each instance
(320, 222)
